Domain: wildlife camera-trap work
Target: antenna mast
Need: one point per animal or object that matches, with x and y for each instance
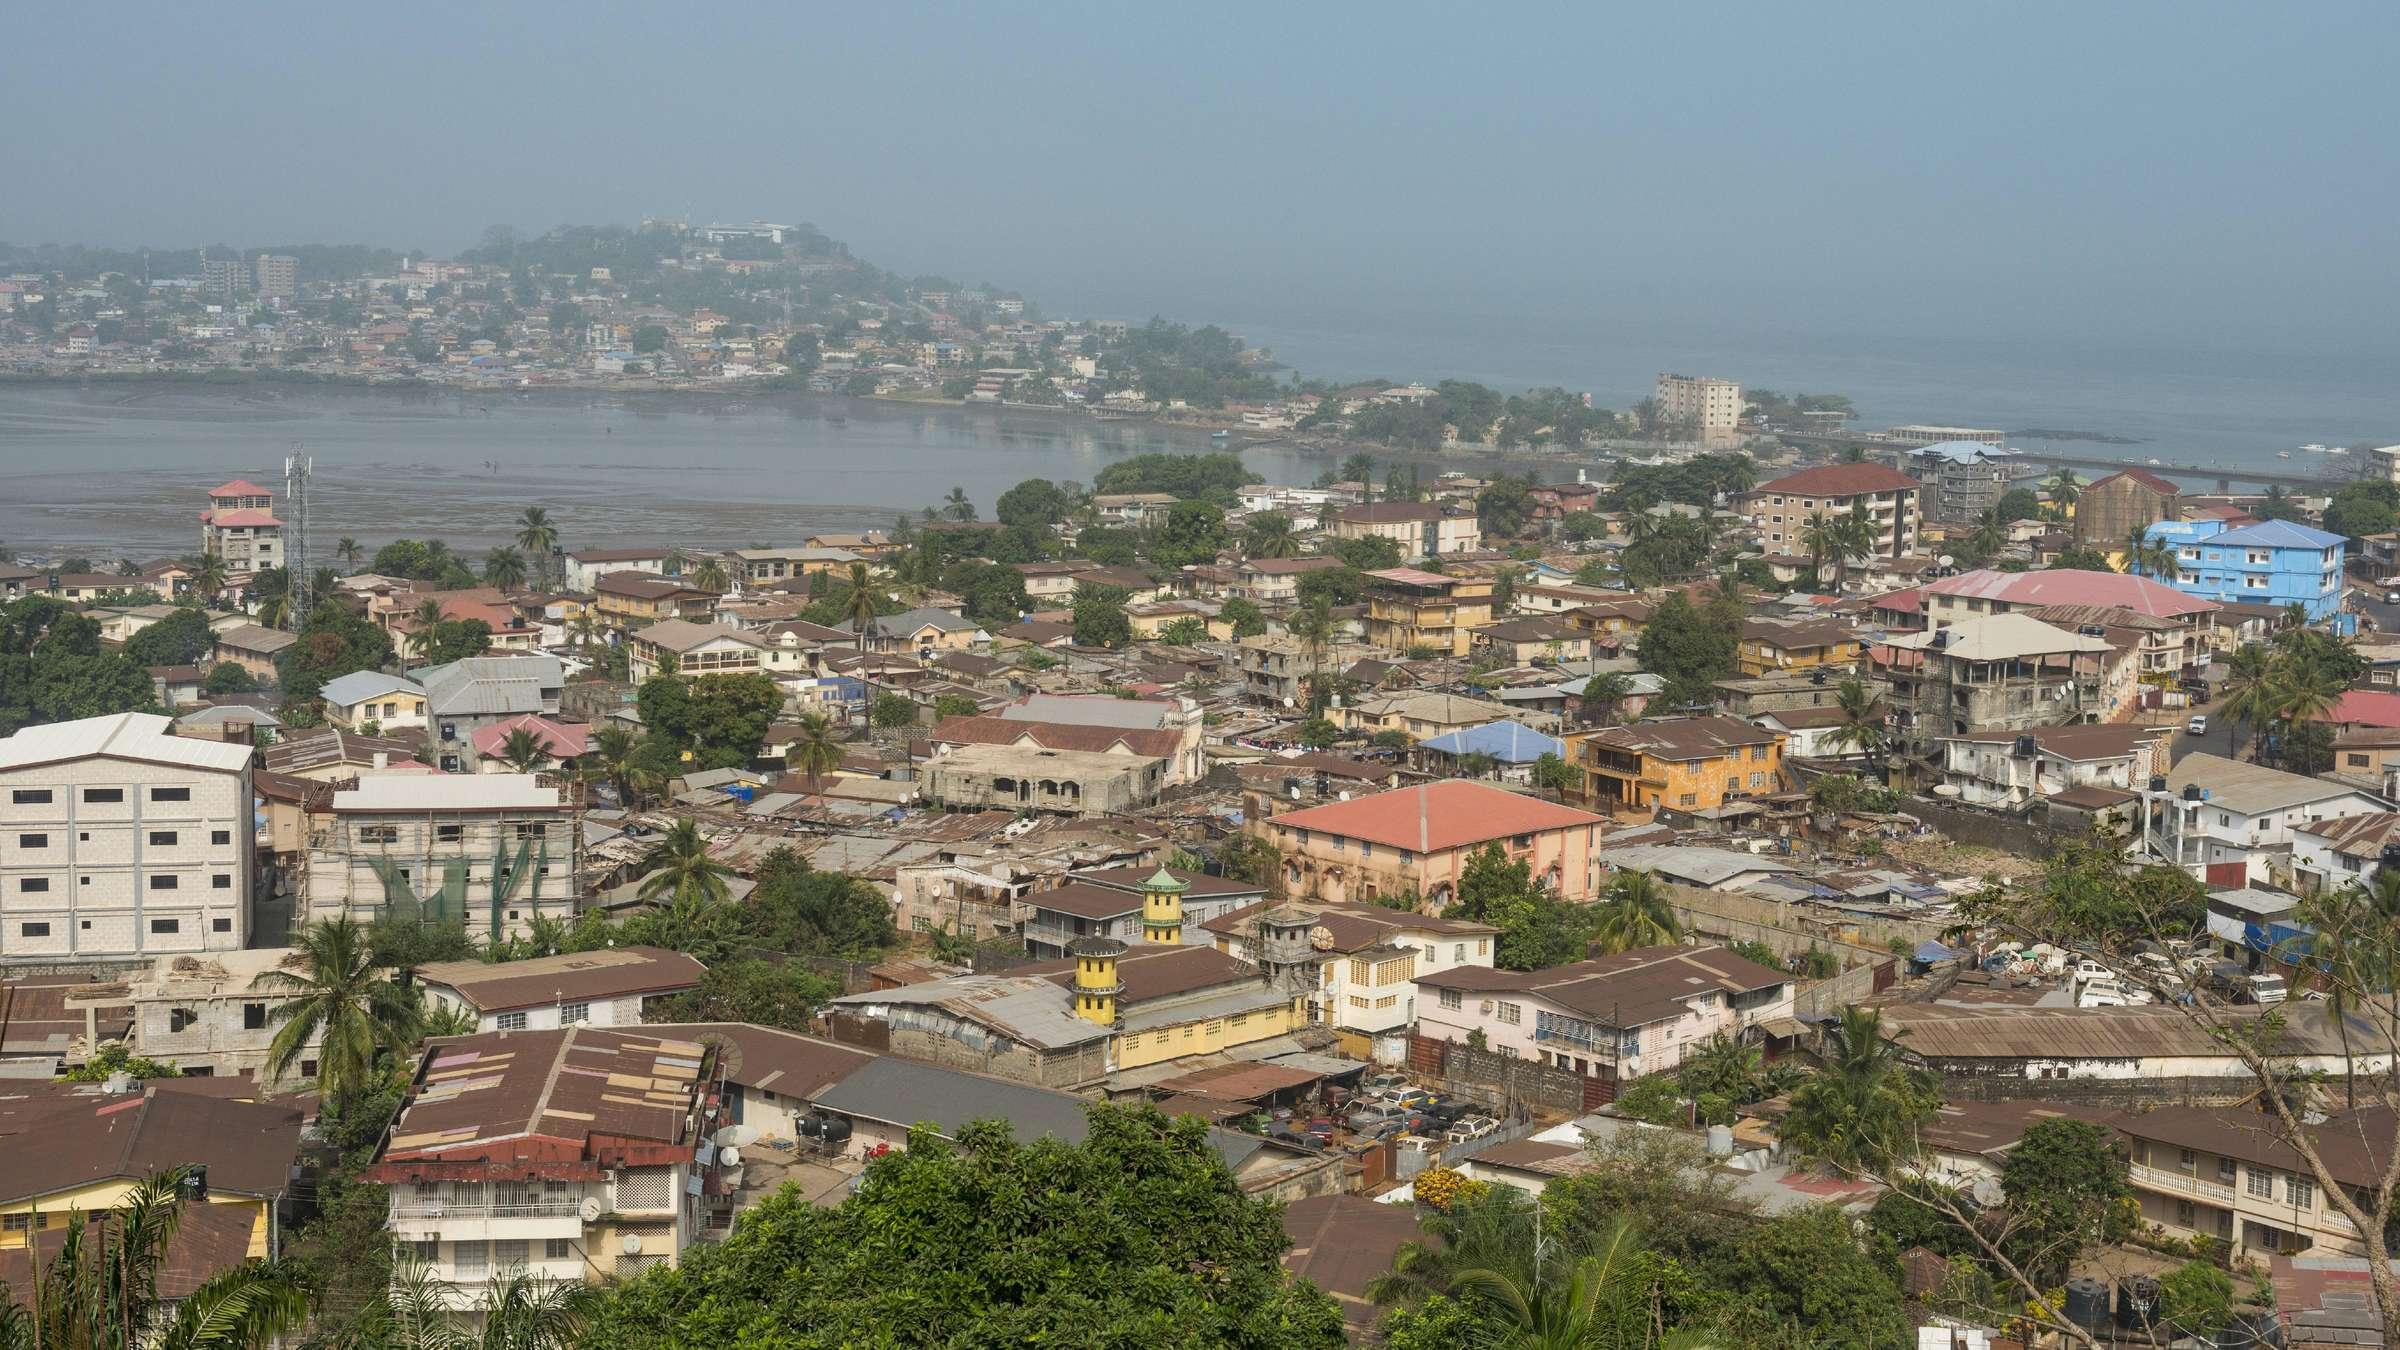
(297, 468)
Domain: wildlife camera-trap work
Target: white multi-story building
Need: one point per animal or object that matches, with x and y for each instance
(1357, 964)
(2231, 824)
(491, 850)
(118, 839)
(240, 527)
(1710, 408)
(533, 1152)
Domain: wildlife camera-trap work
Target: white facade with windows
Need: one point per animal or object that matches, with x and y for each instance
(118, 839)
(455, 843)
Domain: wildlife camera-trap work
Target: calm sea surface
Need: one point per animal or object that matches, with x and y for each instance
(119, 470)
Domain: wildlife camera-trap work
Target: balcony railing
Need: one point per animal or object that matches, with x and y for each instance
(412, 1207)
(2182, 1183)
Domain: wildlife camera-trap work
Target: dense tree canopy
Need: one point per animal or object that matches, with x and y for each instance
(1213, 477)
(53, 668)
(181, 639)
(1137, 1237)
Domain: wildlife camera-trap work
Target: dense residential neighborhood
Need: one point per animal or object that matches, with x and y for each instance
(549, 924)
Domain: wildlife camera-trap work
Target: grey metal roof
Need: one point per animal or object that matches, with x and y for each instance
(1089, 710)
(2252, 789)
(1707, 866)
(904, 1092)
(1025, 1008)
(360, 685)
(495, 685)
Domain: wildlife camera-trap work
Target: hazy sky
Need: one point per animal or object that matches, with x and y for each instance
(2217, 176)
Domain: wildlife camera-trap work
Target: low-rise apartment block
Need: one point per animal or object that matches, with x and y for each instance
(492, 851)
(569, 1156)
(118, 839)
(1416, 841)
(607, 988)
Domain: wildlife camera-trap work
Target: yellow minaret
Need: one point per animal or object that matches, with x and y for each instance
(1096, 983)
(1162, 908)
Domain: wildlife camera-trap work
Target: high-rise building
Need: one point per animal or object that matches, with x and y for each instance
(118, 839)
(278, 276)
(240, 526)
(1710, 409)
(224, 278)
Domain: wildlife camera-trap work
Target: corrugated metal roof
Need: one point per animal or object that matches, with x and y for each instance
(135, 736)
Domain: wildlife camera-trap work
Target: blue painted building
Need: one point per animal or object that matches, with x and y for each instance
(2275, 563)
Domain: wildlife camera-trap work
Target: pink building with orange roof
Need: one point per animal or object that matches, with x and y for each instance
(240, 527)
(1418, 839)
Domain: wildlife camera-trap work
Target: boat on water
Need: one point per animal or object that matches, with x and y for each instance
(2283, 454)
(2315, 449)
(1219, 435)
(2152, 461)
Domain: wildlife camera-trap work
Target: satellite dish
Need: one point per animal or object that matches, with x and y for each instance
(591, 1208)
(1946, 561)
(730, 1158)
(734, 1136)
(632, 1244)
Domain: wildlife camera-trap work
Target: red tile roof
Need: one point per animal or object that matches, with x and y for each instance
(2073, 587)
(239, 487)
(243, 517)
(1448, 814)
(563, 740)
(1842, 480)
(1155, 742)
(2365, 707)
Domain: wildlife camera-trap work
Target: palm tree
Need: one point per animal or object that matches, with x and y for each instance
(427, 613)
(859, 607)
(524, 751)
(1184, 632)
(1313, 626)
(1862, 720)
(1598, 1302)
(1634, 912)
(814, 752)
(347, 549)
(2063, 487)
(100, 1290)
(611, 757)
(538, 537)
(586, 624)
(274, 610)
(678, 866)
(1860, 1113)
(504, 568)
(520, 1313)
(1822, 538)
(208, 575)
(1271, 535)
(1989, 536)
(342, 996)
(2304, 691)
(956, 506)
(710, 576)
(2250, 690)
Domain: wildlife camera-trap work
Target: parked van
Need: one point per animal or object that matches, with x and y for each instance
(2268, 990)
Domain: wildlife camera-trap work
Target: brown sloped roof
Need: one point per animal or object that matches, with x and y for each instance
(1086, 901)
(1150, 970)
(613, 972)
(1155, 742)
(248, 1147)
(1647, 984)
(209, 1240)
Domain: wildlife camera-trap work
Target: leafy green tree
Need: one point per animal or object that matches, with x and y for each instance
(53, 668)
(798, 909)
(226, 677)
(994, 596)
(1365, 555)
(338, 993)
(1245, 617)
(1806, 1273)
(181, 639)
(2067, 1191)
(1184, 632)
(2081, 558)
(1140, 1230)
(452, 640)
(892, 710)
(954, 705)
(765, 993)
(1037, 502)
(2019, 504)
(1109, 546)
(1556, 776)
(1505, 505)
(2363, 508)
(649, 337)
(1318, 733)
(1193, 533)
(333, 642)
(1690, 649)
(728, 716)
(2196, 1299)
(1100, 619)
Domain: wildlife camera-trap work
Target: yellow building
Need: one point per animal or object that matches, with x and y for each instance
(77, 1147)
(1107, 1007)
(1769, 646)
(1685, 764)
(631, 599)
(1408, 609)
